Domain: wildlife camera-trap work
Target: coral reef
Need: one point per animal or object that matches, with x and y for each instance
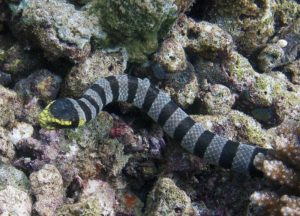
(233, 65)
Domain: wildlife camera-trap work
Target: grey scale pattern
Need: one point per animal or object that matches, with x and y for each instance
(174, 120)
(123, 87)
(158, 104)
(95, 96)
(242, 158)
(191, 137)
(143, 86)
(106, 86)
(214, 149)
(78, 108)
(90, 106)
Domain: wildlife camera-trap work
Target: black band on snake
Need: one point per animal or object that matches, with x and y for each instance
(214, 149)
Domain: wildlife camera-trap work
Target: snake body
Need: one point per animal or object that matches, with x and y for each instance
(214, 149)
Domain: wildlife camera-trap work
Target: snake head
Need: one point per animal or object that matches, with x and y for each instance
(60, 113)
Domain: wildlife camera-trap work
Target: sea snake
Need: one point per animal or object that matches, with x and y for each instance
(193, 137)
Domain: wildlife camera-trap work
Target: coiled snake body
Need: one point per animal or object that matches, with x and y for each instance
(214, 149)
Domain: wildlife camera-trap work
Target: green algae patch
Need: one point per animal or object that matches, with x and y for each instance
(137, 25)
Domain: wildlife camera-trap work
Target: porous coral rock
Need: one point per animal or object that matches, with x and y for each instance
(21, 130)
(283, 48)
(287, 104)
(10, 176)
(97, 198)
(171, 56)
(100, 64)
(47, 187)
(15, 202)
(6, 147)
(8, 105)
(286, 141)
(218, 100)
(96, 154)
(42, 84)
(183, 86)
(167, 199)
(112, 156)
(278, 171)
(18, 60)
(290, 34)
(240, 71)
(250, 23)
(294, 71)
(207, 39)
(285, 12)
(137, 25)
(58, 28)
(270, 57)
(129, 203)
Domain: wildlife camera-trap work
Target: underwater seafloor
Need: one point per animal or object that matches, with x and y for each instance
(234, 65)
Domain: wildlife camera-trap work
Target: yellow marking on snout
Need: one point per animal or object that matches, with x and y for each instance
(46, 118)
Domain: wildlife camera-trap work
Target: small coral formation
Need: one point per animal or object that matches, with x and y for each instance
(274, 204)
(167, 199)
(112, 156)
(47, 187)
